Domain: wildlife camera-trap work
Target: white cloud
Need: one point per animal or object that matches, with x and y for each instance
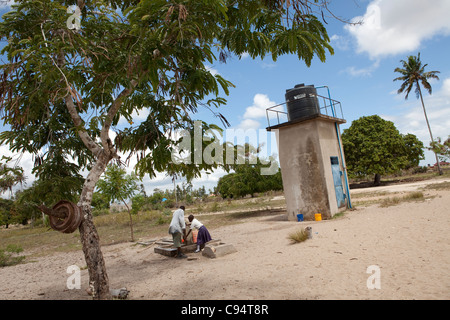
(249, 124)
(6, 3)
(258, 109)
(392, 27)
(245, 55)
(446, 87)
(363, 72)
(339, 42)
(212, 70)
(137, 116)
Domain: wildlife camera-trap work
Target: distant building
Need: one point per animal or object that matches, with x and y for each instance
(119, 207)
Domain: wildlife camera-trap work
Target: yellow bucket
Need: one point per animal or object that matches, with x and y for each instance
(318, 217)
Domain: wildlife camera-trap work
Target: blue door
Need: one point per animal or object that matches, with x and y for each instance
(337, 173)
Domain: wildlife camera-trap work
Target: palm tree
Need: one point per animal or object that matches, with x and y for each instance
(412, 73)
(9, 177)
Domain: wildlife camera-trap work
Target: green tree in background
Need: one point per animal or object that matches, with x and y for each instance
(9, 176)
(374, 146)
(442, 149)
(117, 185)
(5, 212)
(413, 74)
(413, 149)
(247, 178)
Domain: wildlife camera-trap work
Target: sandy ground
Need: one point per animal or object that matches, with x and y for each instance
(408, 244)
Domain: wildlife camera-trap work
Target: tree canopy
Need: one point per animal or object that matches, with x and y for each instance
(247, 178)
(441, 148)
(117, 185)
(374, 146)
(9, 176)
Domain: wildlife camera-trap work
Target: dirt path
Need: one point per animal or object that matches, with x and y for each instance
(401, 187)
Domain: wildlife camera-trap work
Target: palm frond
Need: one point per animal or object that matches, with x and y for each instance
(413, 73)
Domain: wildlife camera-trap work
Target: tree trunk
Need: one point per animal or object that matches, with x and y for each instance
(377, 180)
(131, 220)
(429, 128)
(98, 279)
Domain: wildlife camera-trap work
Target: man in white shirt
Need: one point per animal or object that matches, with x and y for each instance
(177, 229)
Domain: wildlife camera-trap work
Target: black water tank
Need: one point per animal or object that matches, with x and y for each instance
(302, 102)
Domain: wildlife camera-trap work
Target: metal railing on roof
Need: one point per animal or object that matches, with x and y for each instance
(327, 106)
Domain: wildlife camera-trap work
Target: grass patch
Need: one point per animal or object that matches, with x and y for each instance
(9, 257)
(298, 236)
(340, 214)
(371, 194)
(414, 196)
(438, 186)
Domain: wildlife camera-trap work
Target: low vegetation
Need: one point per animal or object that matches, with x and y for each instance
(39, 240)
(438, 186)
(392, 201)
(298, 236)
(9, 256)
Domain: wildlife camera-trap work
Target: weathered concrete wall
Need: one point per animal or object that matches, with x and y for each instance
(304, 150)
(301, 168)
(330, 148)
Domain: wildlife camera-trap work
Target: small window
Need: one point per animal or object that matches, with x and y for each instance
(334, 160)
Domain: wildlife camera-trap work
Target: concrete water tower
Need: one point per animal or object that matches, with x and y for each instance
(310, 152)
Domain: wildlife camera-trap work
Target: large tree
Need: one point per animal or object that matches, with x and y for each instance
(374, 146)
(247, 178)
(72, 73)
(413, 74)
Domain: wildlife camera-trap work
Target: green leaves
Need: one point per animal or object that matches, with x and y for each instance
(413, 73)
(441, 148)
(151, 56)
(117, 185)
(9, 176)
(373, 145)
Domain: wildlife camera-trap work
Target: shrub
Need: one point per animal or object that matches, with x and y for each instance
(215, 207)
(396, 200)
(99, 212)
(298, 236)
(422, 169)
(7, 257)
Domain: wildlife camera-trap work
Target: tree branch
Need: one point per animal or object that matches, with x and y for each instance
(87, 140)
(104, 134)
(85, 137)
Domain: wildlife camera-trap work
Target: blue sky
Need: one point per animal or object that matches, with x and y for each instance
(360, 73)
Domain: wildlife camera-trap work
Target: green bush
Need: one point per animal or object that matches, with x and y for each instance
(8, 256)
(298, 236)
(100, 212)
(422, 169)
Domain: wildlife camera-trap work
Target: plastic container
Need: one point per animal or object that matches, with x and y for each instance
(300, 217)
(318, 217)
(302, 102)
(194, 236)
